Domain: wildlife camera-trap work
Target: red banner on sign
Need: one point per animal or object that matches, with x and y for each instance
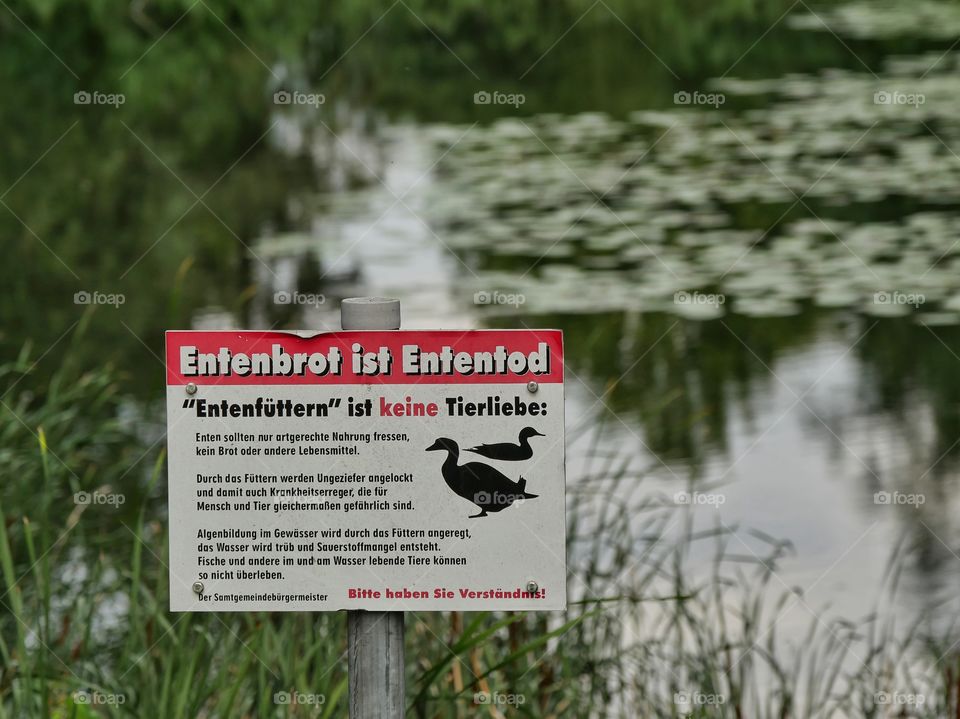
(376, 357)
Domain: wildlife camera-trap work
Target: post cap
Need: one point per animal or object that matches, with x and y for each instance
(370, 313)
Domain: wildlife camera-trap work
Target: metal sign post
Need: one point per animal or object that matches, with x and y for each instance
(374, 639)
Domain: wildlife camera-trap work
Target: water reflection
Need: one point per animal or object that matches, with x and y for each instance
(760, 297)
(815, 390)
(798, 420)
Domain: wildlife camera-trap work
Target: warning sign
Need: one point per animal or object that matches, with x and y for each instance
(380, 470)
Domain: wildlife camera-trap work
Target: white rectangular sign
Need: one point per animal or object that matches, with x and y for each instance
(387, 470)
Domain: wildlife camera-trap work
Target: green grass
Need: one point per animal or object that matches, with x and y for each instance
(84, 605)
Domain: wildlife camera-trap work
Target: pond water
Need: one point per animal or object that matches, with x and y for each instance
(754, 258)
(783, 426)
(760, 297)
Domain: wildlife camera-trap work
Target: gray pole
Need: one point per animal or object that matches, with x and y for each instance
(374, 639)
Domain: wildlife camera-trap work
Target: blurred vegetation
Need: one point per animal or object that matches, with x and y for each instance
(85, 630)
(160, 197)
(156, 197)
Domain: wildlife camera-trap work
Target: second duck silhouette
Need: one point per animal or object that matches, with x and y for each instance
(506, 450)
(479, 483)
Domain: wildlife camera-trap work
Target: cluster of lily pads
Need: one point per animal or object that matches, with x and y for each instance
(883, 19)
(836, 189)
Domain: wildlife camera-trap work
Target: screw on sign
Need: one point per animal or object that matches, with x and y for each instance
(372, 470)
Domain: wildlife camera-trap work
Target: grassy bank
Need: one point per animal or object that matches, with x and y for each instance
(652, 630)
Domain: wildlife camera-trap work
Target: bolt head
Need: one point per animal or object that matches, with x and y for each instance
(533, 587)
(532, 386)
(191, 388)
(198, 587)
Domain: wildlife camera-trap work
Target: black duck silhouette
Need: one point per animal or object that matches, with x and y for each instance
(479, 483)
(507, 451)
